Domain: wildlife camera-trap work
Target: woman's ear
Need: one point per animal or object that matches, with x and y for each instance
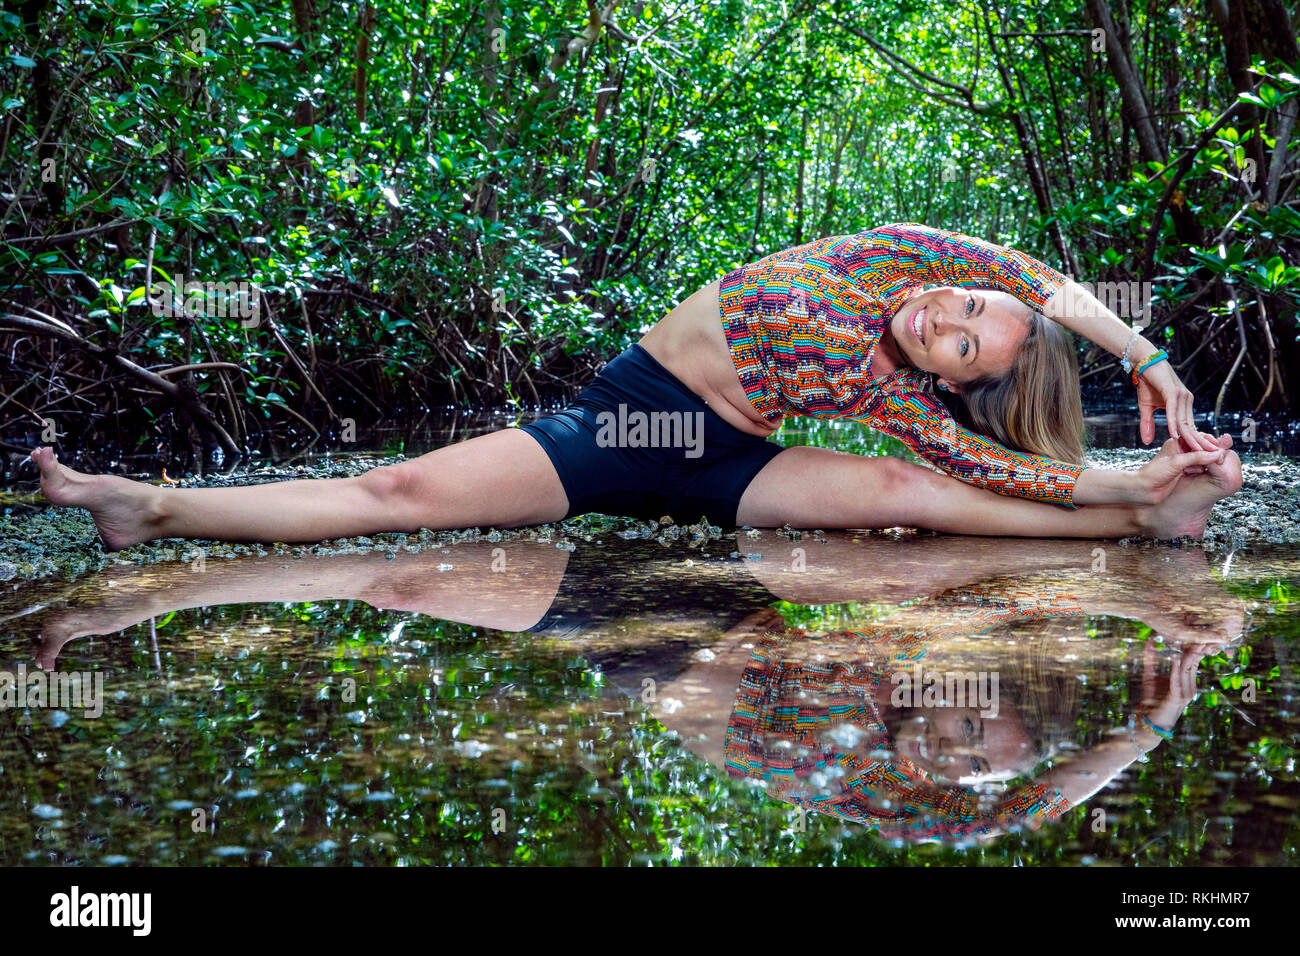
(948, 386)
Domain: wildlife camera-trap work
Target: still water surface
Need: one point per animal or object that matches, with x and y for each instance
(662, 695)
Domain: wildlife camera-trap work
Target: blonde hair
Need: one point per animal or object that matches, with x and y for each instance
(1034, 407)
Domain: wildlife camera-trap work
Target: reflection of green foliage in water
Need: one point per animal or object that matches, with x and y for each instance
(842, 435)
(248, 721)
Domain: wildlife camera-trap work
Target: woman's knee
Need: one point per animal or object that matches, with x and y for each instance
(889, 478)
(389, 484)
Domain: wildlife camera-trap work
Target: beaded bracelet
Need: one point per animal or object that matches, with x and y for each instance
(1124, 363)
(1160, 356)
(1166, 734)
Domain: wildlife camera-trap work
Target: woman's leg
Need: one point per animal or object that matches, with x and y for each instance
(819, 488)
(503, 479)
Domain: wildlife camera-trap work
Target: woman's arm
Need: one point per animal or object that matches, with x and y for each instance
(920, 253)
(926, 426)
(953, 258)
(1082, 777)
(1049, 796)
(1074, 307)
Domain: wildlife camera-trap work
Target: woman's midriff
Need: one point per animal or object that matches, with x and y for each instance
(690, 343)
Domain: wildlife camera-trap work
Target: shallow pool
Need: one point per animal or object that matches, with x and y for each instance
(658, 695)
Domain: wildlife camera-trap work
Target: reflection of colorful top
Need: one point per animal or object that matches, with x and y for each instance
(803, 324)
(789, 720)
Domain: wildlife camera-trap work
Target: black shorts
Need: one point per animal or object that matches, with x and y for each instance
(638, 443)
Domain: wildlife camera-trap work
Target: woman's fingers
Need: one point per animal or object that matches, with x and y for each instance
(1146, 417)
(1181, 417)
(1187, 430)
(1176, 675)
(1204, 442)
(1195, 459)
(1192, 662)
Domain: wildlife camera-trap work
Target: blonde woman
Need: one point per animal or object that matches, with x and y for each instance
(974, 375)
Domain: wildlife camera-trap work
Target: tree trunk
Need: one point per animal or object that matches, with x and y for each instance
(799, 184)
(1136, 107)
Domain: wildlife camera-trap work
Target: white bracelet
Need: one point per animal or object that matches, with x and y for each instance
(1124, 363)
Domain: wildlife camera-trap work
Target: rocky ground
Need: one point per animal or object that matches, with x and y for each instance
(38, 542)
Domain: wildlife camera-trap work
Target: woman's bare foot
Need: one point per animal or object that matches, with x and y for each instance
(123, 510)
(1184, 511)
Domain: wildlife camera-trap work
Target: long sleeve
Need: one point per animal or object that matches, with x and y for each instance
(925, 254)
(925, 425)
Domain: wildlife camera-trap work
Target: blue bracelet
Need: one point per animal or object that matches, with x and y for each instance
(1161, 356)
(1166, 734)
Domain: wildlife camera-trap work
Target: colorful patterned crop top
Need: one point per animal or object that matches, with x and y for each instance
(800, 693)
(803, 324)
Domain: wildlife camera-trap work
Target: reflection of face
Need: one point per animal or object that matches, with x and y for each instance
(960, 334)
(958, 746)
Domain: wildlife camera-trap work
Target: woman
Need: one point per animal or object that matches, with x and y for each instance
(838, 327)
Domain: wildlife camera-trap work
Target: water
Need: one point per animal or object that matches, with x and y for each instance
(392, 707)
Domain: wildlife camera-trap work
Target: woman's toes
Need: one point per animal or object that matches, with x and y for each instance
(1227, 475)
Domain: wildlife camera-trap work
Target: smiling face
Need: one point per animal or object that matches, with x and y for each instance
(961, 334)
(958, 746)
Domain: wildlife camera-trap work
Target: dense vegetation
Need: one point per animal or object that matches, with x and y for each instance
(479, 202)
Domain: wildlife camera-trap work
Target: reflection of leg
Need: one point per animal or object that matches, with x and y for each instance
(820, 488)
(844, 567)
(1171, 590)
(697, 704)
(504, 586)
(502, 479)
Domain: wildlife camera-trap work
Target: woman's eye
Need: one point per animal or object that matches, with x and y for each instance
(970, 304)
(965, 347)
(974, 765)
(970, 727)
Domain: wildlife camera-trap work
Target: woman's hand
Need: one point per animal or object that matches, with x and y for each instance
(1156, 479)
(1164, 710)
(1160, 387)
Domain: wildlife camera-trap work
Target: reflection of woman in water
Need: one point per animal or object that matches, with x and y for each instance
(812, 715)
(822, 721)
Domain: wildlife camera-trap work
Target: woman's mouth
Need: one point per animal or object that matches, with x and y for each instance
(918, 324)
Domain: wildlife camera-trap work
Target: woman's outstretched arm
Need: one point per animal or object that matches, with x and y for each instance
(926, 426)
(1074, 307)
(1083, 776)
(953, 258)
